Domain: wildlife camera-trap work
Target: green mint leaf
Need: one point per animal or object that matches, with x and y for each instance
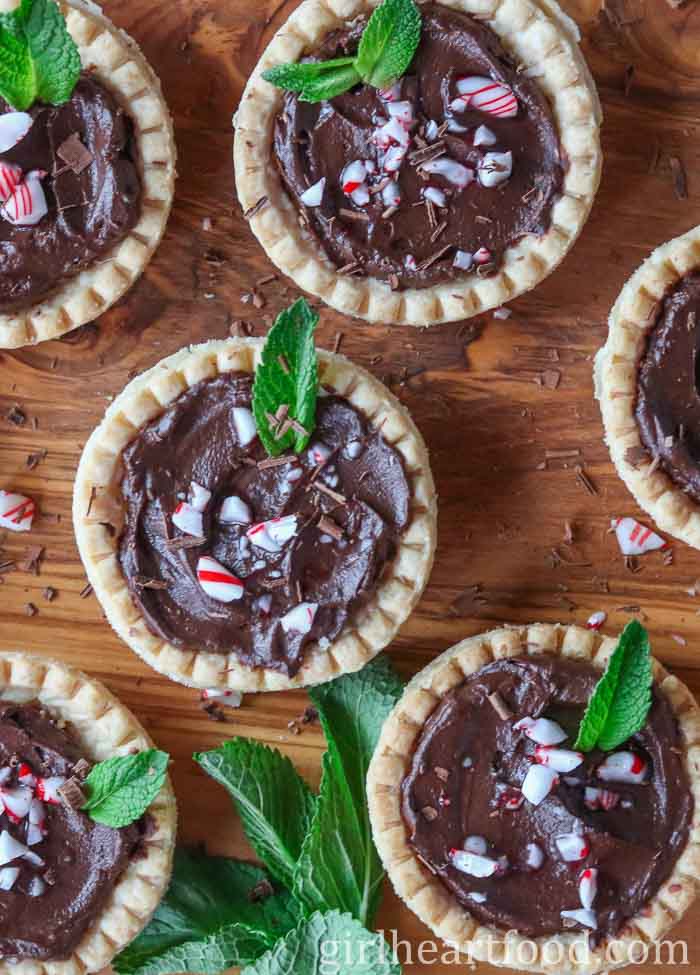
(315, 81)
(120, 790)
(621, 699)
(388, 42)
(207, 921)
(338, 866)
(288, 375)
(273, 801)
(328, 944)
(38, 58)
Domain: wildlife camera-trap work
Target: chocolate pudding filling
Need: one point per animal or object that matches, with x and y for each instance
(463, 790)
(344, 502)
(445, 187)
(56, 884)
(93, 199)
(668, 387)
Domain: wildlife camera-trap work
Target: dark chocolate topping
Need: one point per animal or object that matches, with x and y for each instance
(195, 440)
(89, 211)
(668, 397)
(634, 843)
(69, 876)
(318, 140)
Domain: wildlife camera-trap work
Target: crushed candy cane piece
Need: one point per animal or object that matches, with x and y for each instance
(435, 196)
(572, 847)
(217, 581)
(394, 158)
(232, 699)
(37, 886)
(538, 783)
(244, 422)
(16, 802)
(622, 767)
(502, 313)
(263, 604)
(16, 512)
(8, 876)
(314, 195)
(25, 776)
(463, 260)
(353, 176)
(486, 95)
(534, 856)
(353, 449)
(199, 496)
(588, 886)
(495, 168)
(476, 844)
(360, 196)
(47, 789)
(451, 170)
(454, 126)
(594, 799)
(10, 178)
(300, 619)
(560, 759)
(483, 256)
(272, 535)
(391, 194)
(11, 849)
(467, 762)
(234, 511)
(319, 453)
(585, 918)
(392, 94)
(13, 128)
(431, 130)
(484, 136)
(403, 111)
(596, 620)
(5, 774)
(543, 731)
(392, 133)
(409, 262)
(478, 896)
(473, 863)
(635, 538)
(27, 205)
(188, 519)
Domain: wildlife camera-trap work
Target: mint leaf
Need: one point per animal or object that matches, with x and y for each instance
(120, 790)
(338, 866)
(621, 699)
(38, 58)
(207, 921)
(328, 944)
(287, 376)
(388, 42)
(273, 801)
(315, 81)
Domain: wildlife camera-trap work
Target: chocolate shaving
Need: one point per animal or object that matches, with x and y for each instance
(680, 179)
(352, 267)
(429, 813)
(34, 459)
(442, 773)
(49, 594)
(256, 208)
(86, 591)
(298, 428)
(81, 768)
(74, 154)
(637, 456)
(428, 262)
(338, 340)
(32, 560)
(71, 795)
(585, 480)
(185, 541)
(551, 378)
(30, 609)
(330, 527)
(329, 491)
(143, 582)
(17, 416)
(269, 462)
(500, 706)
(353, 215)
(440, 229)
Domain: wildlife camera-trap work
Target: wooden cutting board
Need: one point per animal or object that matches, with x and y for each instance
(506, 406)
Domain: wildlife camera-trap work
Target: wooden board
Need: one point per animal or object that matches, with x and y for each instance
(488, 416)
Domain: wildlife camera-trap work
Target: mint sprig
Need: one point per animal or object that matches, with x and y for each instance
(120, 790)
(385, 52)
(39, 59)
(287, 379)
(621, 699)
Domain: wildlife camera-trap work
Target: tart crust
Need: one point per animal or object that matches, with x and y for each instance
(616, 369)
(541, 38)
(116, 61)
(98, 505)
(104, 728)
(429, 898)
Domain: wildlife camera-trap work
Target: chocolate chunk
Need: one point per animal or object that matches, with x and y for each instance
(74, 154)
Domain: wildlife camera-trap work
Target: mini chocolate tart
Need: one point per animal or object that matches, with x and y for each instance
(98, 176)
(648, 384)
(224, 568)
(73, 892)
(456, 190)
(509, 844)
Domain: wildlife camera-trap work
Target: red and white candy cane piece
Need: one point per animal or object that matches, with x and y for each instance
(392, 94)
(11, 849)
(510, 797)
(432, 130)
(36, 827)
(199, 496)
(300, 619)
(538, 783)
(360, 196)
(47, 789)
(25, 776)
(534, 856)
(476, 844)
(463, 260)
(623, 767)
(572, 847)
(13, 128)
(483, 256)
(391, 194)
(543, 731)
(484, 136)
(10, 178)
(188, 519)
(560, 759)
(244, 422)
(588, 886)
(582, 916)
(263, 604)
(596, 620)
(16, 512)
(594, 799)
(435, 195)
(486, 95)
(27, 205)
(232, 699)
(234, 511)
(392, 133)
(16, 802)
(8, 876)
(473, 864)
(353, 176)
(313, 197)
(409, 262)
(495, 168)
(451, 170)
(635, 538)
(217, 581)
(272, 535)
(402, 111)
(393, 159)
(5, 774)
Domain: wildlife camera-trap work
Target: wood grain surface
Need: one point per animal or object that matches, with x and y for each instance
(506, 406)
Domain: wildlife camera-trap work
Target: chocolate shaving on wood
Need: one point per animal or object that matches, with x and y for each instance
(269, 462)
(185, 541)
(551, 378)
(17, 416)
(500, 706)
(86, 591)
(330, 527)
(256, 208)
(32, 560)
(34, 459)
(267, 279)
(562, 454)
(71, 795)
(6, 566)
(213, 711)
(468, 602)
(680, 179)
(585, 480)
(74, 154)
(629, 78)
(49, 594)
(338, 341)
(143, 582)
(30, 609)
